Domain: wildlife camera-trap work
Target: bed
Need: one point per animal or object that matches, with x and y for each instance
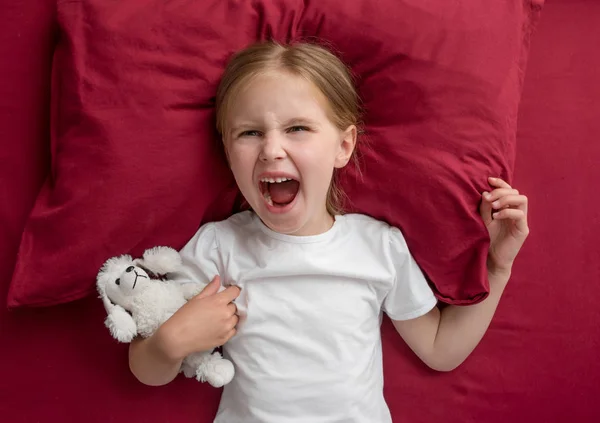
(537, 363)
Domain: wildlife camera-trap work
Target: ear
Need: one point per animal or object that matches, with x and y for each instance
(161, 260)
(121, 325)
(346, 147)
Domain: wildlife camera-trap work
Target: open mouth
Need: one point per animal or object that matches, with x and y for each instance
(279, 192)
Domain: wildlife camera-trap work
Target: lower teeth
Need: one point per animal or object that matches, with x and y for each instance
(268, 198)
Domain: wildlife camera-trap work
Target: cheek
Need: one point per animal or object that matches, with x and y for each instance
(242, 165)
(321, 156)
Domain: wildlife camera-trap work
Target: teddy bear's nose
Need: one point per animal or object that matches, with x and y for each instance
(129, 269)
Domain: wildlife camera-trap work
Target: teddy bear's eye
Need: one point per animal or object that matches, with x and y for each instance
(118, 281)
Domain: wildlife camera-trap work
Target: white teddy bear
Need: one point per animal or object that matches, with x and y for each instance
(137, 303)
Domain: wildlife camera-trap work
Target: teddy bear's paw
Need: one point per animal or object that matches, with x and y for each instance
(216, 372)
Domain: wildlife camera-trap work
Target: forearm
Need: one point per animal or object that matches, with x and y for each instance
(444, 339)
(461, 328)
(150, 364)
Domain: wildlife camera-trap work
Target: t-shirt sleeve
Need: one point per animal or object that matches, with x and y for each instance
(200, 257)
(410, 296)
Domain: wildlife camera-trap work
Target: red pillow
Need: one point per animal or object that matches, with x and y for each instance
(135, 161)
(26, 45)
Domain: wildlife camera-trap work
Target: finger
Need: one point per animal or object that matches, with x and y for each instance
(485, 209)
(513, 201)
(518, 216)
(232, 309)
(499, 183)
(502, 192)
(232, 322)
(211, 289)
(229, 335)
(229, 294)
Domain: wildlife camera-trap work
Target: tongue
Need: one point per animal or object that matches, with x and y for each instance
(283, 192)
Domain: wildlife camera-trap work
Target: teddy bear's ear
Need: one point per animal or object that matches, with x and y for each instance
(121, 325)
(161, 260)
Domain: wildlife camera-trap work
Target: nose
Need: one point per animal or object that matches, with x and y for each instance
(272, 148)
(129, 269)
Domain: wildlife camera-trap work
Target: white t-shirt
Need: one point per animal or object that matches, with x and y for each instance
(308, 346)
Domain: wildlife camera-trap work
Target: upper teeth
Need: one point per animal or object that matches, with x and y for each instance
(275, 180)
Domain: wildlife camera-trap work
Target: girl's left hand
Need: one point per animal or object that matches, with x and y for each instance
(504, 212)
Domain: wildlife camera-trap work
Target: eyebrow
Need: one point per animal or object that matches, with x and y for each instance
(300, 120)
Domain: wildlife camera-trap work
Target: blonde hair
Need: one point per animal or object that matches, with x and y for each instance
(310, 61)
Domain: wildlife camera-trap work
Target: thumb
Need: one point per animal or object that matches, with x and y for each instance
(211, 289)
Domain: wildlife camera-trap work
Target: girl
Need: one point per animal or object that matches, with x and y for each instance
(310, 283)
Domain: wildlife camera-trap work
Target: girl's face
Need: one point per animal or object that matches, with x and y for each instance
(282, 148)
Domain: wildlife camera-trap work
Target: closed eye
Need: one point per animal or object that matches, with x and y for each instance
(250, 133)
(298, 128)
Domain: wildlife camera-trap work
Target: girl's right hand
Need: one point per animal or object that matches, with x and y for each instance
(205, 322)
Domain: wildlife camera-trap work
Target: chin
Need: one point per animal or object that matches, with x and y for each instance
(284, 224)
(293, 219)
